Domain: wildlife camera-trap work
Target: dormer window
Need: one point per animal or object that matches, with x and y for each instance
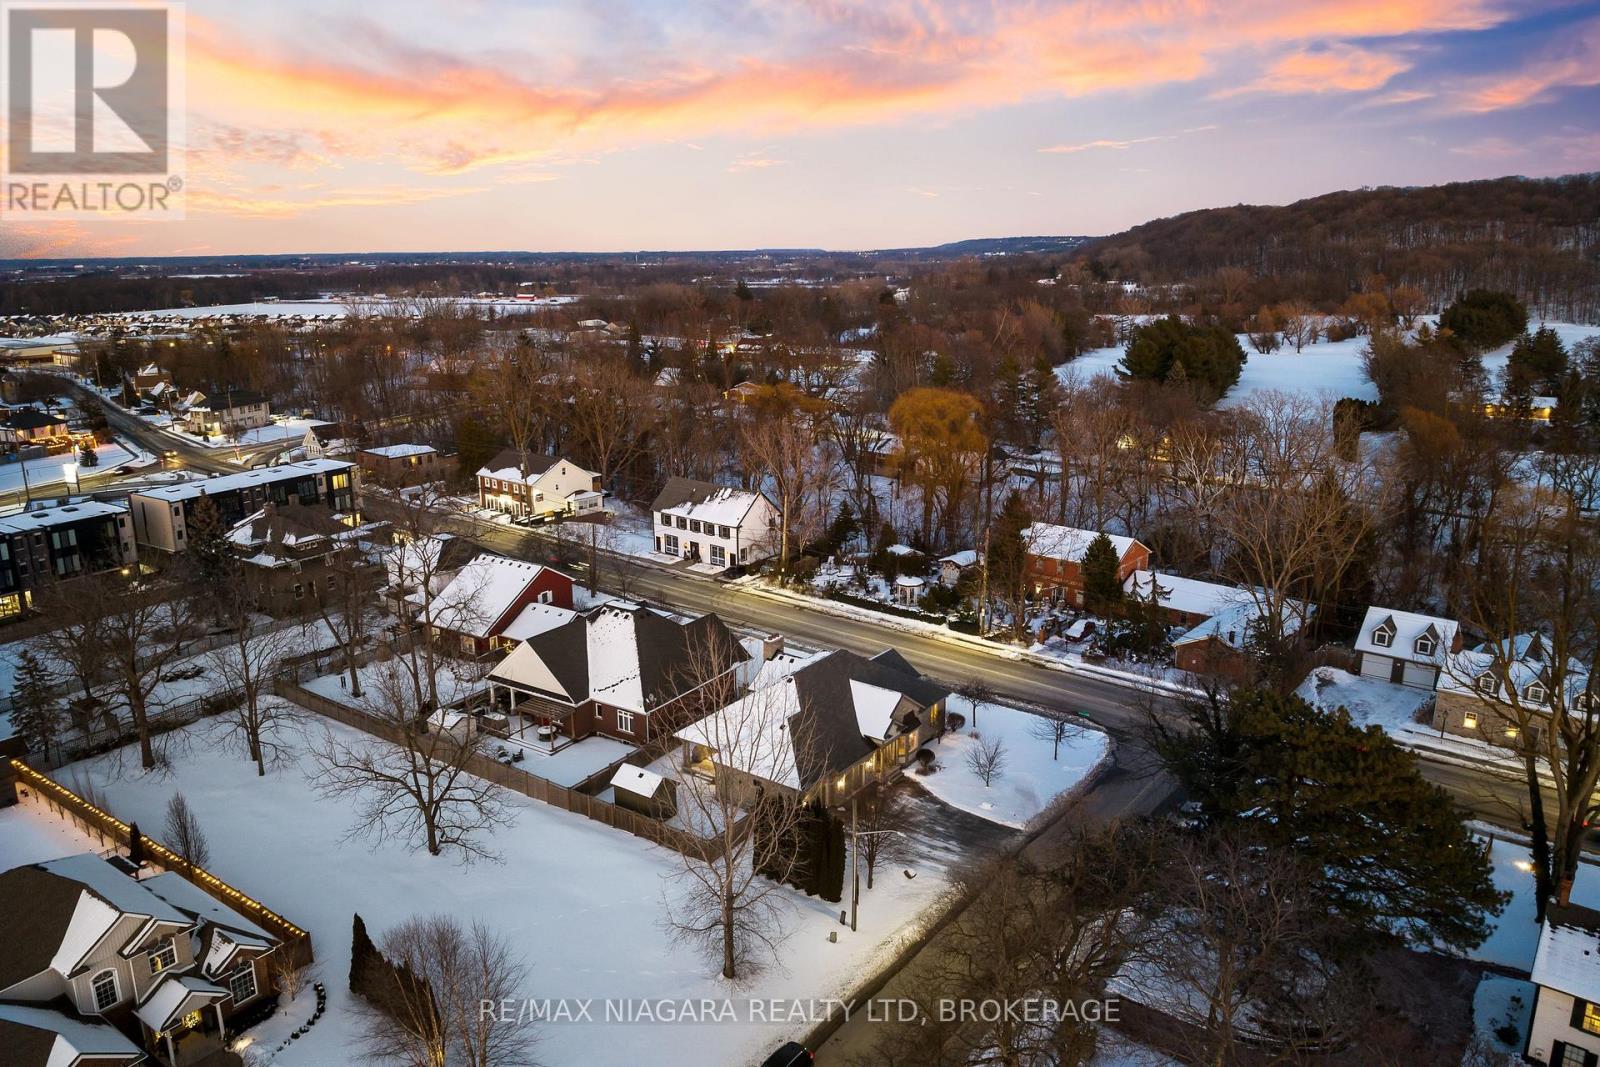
(1534, 694)
(1425, 645)
(1383, 637)
(1486, 683)
(163, 956)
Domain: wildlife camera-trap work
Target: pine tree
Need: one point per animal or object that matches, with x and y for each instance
(943, 372)
(135, 845)
(1044, 395)
(1007, 558)
(830, 884)
(1392, 850)
(364, 959)
(1102, 589)
(843, 528)
(209, 548)
(37, 716)
(1540, 358)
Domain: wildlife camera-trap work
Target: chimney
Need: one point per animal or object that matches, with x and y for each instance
(771, 646)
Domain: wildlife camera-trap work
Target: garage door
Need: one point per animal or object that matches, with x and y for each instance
(1419, 675)
(1377, 666)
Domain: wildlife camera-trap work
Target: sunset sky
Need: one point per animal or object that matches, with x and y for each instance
(606, 125)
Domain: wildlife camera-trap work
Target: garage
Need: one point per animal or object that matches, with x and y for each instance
(1420, 675)
(1376, 666)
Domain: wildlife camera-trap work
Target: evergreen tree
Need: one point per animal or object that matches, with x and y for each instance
(135, 845)
(1210, 356)
(37, 716)
(1393, 852)
(364, 960)
(475, 444)
(943, 372)
(209, 549)
(1007, 558)
(834, 857)
(1102, 589)
(841, 530)
(1540, 358)
(1481, 319)
(636, 360)
(742, 291)
(1044, 395)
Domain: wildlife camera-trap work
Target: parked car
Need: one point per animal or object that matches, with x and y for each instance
(792, 1054)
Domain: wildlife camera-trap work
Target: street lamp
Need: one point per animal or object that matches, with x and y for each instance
(855, 859)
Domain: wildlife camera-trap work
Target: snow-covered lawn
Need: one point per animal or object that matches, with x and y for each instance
(1516, 935)
(26, 836)
(377, 677)
(51, 470)
(281, 429)
(571, 764)
(1370, 702)
(580, 902)
(1029, 779)
(1501, 1002)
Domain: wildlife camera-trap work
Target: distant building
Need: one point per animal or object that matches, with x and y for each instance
(54, 544)
(1405, 648)
(538, 486)
(58, 351)
(402, 466)
(32, 426)
(471, 612)
(161, 516)
(287, 555)
(714, 524)
(224, 412)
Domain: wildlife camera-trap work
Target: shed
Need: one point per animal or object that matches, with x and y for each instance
(644, 791)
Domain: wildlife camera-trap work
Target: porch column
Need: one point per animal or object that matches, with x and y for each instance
(172, 1057)
(222, 1027)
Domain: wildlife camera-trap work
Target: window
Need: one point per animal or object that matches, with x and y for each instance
(1425, 646)
(719, 556)
(163, 956)
(1486, 683)
(1383, 638)
(1511, 731)
(672, 544)
(694, 526)
(299, 591)
(1535, 693)
(242, 984)
(1469, 722)
(1589, 1023)
(725, 533)
(624, 722)
(546, 597)
(105, 990)
(1572, 1056)
(683, 523)
(467, 644)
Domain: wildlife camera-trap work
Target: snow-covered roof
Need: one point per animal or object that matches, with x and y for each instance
(1568, 956)
(45, 518)
(1231, 626)
(507, 466)
(481, 593)
(76, 1039)
(191, 899)
(720, 504)
(1522, 661)
(1068, 543)
(1404, 628)
(1188, 595)
(641, 781)
(536, 619)
(174, 998)
(965, 558)
(283, 472)
(400, 451)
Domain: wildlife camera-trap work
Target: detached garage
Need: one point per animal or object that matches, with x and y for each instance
(1405, 648)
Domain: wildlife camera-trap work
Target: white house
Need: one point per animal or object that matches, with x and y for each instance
(1402, 647)
(714, 524)
(1565, 1030)
(538, 486)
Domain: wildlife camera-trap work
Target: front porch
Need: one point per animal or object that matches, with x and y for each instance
(182, 1022)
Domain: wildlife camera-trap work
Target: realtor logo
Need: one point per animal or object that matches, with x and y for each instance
(94, 110)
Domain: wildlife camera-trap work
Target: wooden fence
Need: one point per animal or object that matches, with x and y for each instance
(35, 788)
(515, 778)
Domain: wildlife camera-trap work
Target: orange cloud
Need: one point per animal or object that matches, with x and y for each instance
(1574, 62)
(1342, 69)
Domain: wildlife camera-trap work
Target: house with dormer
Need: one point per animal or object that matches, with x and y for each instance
(93, 953)
(1404, 647)
(713, 525)
(539, 487)
(1495, 691)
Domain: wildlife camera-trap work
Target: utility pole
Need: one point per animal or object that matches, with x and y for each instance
(855, 859)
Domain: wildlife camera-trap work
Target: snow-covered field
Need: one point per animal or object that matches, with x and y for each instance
(1029, 778)
(1498, 1002)
(338, 308)
(51, 470)
(1332, 367)
(580, 902)
(1370, 702)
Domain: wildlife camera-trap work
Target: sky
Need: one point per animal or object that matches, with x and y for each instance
(603, 125)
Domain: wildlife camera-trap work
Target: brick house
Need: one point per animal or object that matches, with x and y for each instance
(402, 466)
(91, 952)
(1055, 559)
(538, 486)
(288, 554)
(1488, 691)
(1221, 645)
(471, 612)
(622, 670)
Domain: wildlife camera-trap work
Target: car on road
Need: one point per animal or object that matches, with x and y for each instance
(792, 1054)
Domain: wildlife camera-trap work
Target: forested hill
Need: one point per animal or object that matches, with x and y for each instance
(1539, 238)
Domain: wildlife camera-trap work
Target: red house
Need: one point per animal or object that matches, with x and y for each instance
(486, 596)
(1055, 558)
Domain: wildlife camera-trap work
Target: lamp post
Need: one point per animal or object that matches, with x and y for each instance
(855, 860)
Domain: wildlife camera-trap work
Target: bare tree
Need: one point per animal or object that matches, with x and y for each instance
(987, 759)
(726, 906)
(344, 601)
(184, 835)
(1298, 324)
(976, 692)
(1055, 730)
(288, 977)
(410, 782)
(247, 665)
(450, 995)
(512, 383)
(778, 440)
(882, 828)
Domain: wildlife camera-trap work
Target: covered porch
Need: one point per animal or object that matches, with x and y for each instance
(182, 1021)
